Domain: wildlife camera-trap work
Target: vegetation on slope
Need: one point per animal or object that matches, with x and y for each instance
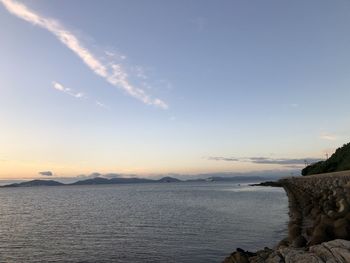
(339, 161)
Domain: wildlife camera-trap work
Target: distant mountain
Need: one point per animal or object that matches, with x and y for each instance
(92, 181)
(339, 161)
(168, 179)
(120, 180)
(35, 183)
(100, 180)
(134, 180)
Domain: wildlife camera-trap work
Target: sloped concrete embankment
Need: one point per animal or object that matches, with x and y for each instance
(319, 208)
(319, 222)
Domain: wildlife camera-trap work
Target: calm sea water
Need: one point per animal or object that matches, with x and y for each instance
(175, 222)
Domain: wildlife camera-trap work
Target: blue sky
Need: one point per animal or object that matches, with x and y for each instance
(153, 87)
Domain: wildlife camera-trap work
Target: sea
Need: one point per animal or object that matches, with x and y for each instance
(155, 222)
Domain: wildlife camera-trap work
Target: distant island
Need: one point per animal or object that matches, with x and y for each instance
(132, 180)
(35, 183)
(339, 161)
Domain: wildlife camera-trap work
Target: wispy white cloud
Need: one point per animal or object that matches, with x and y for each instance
(100, 104)
(328, 137)
(140, 72)
(78, 95)
(112, 72)
(60, 87)
(114, 55)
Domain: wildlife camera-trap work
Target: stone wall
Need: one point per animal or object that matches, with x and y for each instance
(319, 208)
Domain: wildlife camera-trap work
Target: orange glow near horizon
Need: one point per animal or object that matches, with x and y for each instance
(29, 170)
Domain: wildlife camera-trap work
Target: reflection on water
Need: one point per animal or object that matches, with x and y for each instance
(178, 222)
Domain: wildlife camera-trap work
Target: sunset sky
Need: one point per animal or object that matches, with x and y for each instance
(156, 87)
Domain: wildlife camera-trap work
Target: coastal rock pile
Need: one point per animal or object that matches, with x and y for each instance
(319, 208)
(329, 252)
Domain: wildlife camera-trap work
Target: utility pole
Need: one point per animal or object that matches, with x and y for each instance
(326, 156)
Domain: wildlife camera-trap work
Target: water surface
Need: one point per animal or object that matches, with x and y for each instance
(175, 222)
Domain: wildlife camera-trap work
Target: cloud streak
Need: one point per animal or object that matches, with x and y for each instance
(60, 87)
(101, 105)
(228, 159)
(283, 161)
(113, 73)
(265, 160)
(328, 137)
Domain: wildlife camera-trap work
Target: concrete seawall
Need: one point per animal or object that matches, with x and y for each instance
(319, 208)
(319, 222)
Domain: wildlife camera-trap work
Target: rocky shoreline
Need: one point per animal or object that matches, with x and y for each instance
(319, 222)
(268, 183)
(328, 252)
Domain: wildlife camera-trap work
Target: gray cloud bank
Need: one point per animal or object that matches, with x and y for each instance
(46, 173)
(267, 160)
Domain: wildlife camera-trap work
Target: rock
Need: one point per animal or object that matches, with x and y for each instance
(331, 213)
(319, 235)
(240, 256)
(261, 256)
(348, 216)
(300, 241)
(341, 228)
(333, 251)
(315, 212)
(294, 231)
(324, 254)
(283, 243)
(275, 257)
(291, 255)
(343, 207)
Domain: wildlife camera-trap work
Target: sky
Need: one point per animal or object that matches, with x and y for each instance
(160, 87)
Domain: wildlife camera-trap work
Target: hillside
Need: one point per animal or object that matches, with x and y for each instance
(168, 179)
(339, 161)
(100, 180)
(35, 183)
(95, 181)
